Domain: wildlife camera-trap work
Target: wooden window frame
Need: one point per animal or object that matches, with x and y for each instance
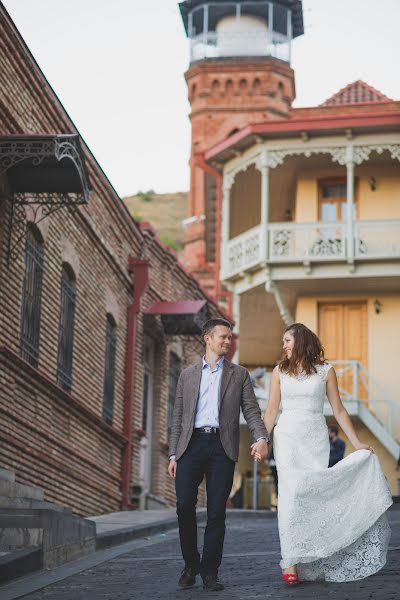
(335, 181)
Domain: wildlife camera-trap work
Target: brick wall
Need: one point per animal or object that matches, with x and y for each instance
(58, 439)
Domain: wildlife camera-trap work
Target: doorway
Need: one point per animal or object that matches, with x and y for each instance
(342, 328)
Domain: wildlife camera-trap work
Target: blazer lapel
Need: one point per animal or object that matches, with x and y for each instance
(225, 378)
(195, 387)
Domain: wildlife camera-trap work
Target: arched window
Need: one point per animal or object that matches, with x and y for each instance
(229, 86)
(66, 328)
(32, 295)
(109, 371)
(256, 86)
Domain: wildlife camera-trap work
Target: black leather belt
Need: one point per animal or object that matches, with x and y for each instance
(206, 429)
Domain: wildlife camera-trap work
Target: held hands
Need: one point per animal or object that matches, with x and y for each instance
(259, 450)
(172, 468)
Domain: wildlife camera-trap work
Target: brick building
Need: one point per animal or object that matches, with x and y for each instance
(86, 377)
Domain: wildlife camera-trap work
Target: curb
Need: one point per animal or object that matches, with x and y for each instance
(107, 539)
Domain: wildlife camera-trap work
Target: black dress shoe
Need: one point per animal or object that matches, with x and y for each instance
(211, 583)
(188, 577)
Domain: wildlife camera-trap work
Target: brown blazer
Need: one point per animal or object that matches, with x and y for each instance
(236, 392)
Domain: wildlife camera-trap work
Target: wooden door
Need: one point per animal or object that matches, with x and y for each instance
(343, 333)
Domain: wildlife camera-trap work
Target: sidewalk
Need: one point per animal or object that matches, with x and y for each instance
(120, 527)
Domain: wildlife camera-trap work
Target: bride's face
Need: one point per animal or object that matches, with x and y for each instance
(288, 344)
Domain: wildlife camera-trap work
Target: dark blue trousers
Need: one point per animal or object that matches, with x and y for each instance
(204, 456)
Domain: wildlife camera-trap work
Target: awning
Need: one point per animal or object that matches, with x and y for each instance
(44, 172)
(44, 164)
(183, 317)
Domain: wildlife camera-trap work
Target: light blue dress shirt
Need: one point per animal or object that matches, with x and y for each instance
(207, 409)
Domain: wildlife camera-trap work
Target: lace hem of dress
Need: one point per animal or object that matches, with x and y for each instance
(364, 557)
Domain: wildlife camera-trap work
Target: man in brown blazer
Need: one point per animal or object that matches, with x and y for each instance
(204, 441)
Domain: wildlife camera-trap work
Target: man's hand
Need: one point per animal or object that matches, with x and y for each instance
(172, 468)
(259, 450)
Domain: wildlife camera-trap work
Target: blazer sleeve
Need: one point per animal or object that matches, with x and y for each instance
(176, 426)
(251, 410)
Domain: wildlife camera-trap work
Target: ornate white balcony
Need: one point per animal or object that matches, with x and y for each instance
(310, 243)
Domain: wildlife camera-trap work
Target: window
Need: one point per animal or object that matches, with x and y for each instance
(333, 201)
(109, 373)
(66, 329)
(32, 296)
(173, 376)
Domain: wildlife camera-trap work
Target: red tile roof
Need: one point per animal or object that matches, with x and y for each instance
(356, 93)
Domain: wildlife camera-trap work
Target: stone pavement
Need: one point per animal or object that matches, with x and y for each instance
(149, 568)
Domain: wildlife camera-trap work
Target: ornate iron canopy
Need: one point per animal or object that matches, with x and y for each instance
(185, 317)
(45, 172)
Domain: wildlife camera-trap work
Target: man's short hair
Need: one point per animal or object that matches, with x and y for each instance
(334, 429)
(211, 323)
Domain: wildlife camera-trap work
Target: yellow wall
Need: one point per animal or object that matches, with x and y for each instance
(306, 210)
(383, 203)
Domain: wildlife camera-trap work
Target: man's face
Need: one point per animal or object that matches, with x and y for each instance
(332, 434)
(219, 340)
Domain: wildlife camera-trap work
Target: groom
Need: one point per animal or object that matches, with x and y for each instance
(204, 441)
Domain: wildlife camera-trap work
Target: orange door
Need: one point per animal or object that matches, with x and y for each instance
(343, 333)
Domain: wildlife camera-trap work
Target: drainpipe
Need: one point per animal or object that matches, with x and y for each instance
(285, 313)
(200, 162)
(139, 271)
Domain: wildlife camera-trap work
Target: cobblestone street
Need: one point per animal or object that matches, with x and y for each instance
(249, 570)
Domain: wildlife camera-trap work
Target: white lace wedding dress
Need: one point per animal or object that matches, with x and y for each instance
(332, 522)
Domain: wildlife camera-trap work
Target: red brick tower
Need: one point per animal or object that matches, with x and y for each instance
(239, 73)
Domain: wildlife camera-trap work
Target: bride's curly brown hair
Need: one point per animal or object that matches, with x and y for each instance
(307, 351)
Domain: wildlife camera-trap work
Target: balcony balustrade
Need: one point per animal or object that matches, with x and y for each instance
(310, 243)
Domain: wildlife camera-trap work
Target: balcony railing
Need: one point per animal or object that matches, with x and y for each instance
(310, 243)
(357, 384)
(377, 239)
(293, 242)
(243, 252)
(251, 43)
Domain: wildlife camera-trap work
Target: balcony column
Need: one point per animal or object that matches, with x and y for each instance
(205, 23)
(350, 204)
(263, 167)
(236, 318)
(225, 224)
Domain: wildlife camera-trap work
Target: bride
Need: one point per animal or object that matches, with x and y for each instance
(332, 522)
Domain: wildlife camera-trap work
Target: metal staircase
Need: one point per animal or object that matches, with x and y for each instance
(364, 397)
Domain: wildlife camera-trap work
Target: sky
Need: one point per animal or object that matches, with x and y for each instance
(118, 69)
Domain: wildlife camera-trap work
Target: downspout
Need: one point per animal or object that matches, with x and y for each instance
(271, 288)
(139, 271)
(200, 162)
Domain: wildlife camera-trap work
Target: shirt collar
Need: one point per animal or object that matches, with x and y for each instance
(220, 363)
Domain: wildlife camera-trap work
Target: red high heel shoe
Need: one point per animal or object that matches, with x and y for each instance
(291, 578)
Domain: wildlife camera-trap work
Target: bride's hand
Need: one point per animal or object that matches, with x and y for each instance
(361, 446)
(256, 455)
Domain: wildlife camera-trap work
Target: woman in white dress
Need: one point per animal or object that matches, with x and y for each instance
(332, 522)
